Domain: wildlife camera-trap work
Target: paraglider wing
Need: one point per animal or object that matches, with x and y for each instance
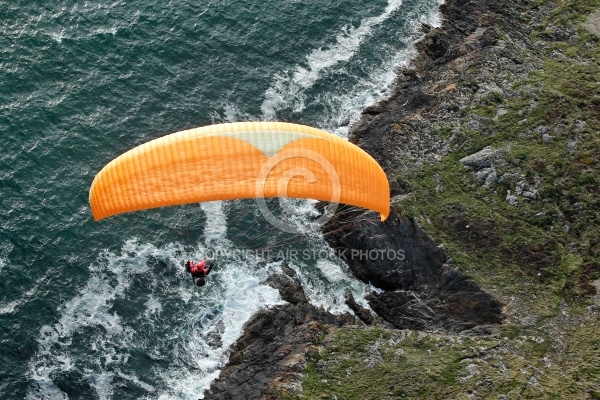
(240, 160)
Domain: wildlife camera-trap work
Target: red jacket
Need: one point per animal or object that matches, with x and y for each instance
(199, 269)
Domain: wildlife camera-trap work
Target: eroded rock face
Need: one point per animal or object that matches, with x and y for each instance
(422, 290)
(276, 345)
(288, 284)
(274, 350)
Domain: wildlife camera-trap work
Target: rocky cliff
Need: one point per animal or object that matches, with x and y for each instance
(491, 144)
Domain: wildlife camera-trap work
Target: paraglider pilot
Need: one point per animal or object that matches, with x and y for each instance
(199, 271)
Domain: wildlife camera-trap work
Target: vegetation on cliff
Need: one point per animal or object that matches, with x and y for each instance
(512, 195)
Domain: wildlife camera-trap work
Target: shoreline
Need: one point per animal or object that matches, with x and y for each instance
(253, 346)
(490, 141)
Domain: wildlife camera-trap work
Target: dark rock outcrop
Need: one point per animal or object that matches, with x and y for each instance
(276, 345)
(422, 291)
(362, 313)
(273, 352)
(288, 284)
(393, 255)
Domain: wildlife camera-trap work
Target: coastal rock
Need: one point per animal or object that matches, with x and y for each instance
(273, 351)
(392, 255)
(437, 46)
(288, 284)
(560, 128)
(487, 176)
(481, 159)
(511, 199)
(421, 290)
(362, 313)
(526, 190)
(484, 164)
(592, 23)
(578, 125)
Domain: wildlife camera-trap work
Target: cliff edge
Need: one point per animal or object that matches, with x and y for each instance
(491, 144)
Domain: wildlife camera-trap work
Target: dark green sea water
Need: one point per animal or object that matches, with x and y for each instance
(105, 310)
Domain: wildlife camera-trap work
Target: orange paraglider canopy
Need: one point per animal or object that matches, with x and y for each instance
(240, 160)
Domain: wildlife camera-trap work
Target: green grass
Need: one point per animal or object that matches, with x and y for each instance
(540, 256)
(420, 365)
(526, 248)
(406, 365)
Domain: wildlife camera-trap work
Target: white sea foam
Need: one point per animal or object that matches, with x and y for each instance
(202, 324)
(231, 113)
(147, 387)
(347, 107)
(212, 329)
(332, 271)
(343, 108)
(153, 306)
(300, 214)
(216, 223)
(326, 282)
(57, 36)
(91, 308)
(103, 384)
(10, 307)
(288, 88)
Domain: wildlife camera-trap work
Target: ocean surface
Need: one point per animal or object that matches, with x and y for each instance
(105, 310)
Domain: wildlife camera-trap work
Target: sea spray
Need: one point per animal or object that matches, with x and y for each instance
(141, 304)
(354, 81)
